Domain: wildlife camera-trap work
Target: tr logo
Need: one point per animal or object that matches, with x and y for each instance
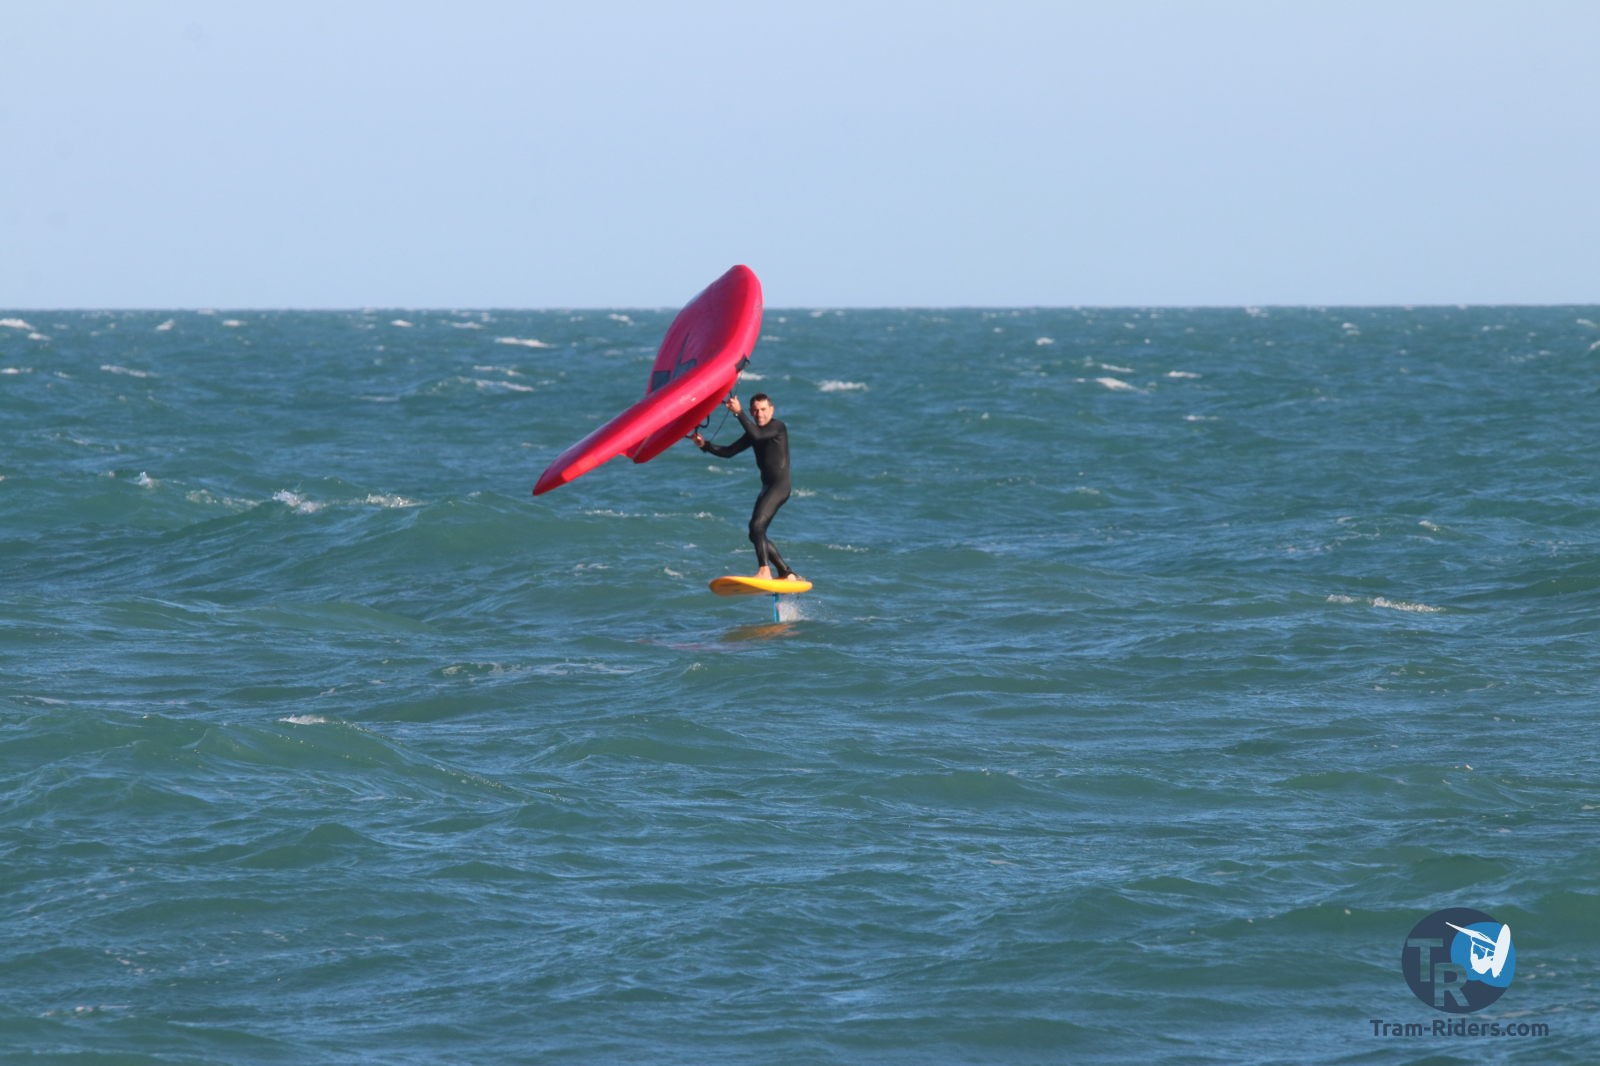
(1458, 960)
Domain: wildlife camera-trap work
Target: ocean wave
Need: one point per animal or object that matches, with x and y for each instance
(296, 502)
(522, 342)
(1402, 605)
(505, 386)
(842, 386)
(112, 368)
(299, 503)
(15, 323)
(1384, 603)
(207, 498)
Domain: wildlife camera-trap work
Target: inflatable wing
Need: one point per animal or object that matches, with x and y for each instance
(696, 366)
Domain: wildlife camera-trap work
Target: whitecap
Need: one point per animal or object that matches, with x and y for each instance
(842, 386)
(1116, 369)
(15, 323)
(1044, 342)
(477, 670)
(8, 371)
(207, 498)
(232, 323)
(508, 386)
(1401, 605)
(1116, 384)
(1387, 604)
(1182, 374)
(522, 342)
(112, 368)
(402, 323)
(296, 502)
(390, 500)
(166, 327)
(305, 719)
(615, 317)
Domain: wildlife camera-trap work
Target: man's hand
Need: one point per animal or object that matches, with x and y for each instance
(699, 441)
(733, 404)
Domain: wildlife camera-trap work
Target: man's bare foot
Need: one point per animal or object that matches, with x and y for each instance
(765, 573)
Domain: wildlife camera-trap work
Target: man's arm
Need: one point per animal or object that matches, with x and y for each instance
(725, 451)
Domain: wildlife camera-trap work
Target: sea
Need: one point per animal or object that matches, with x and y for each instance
(1165, 671)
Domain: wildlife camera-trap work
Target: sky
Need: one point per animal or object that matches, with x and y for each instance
(873, 153)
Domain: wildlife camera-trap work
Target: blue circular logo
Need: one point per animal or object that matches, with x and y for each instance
(1458, 960)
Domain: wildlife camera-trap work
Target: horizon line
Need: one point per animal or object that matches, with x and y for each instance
(210, 309)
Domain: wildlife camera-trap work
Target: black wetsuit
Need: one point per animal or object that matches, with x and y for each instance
(771, 443)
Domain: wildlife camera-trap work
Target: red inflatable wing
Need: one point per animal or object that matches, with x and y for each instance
(696, 366)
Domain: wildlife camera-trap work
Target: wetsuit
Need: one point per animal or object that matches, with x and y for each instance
(771, 443)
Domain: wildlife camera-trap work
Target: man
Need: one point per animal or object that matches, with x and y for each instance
(770, 439)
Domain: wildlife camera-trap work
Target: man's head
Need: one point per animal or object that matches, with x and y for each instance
(761, 408)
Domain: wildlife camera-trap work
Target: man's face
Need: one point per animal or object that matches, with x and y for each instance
(762, 410)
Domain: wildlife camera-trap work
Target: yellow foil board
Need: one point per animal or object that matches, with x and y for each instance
(733, 585)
